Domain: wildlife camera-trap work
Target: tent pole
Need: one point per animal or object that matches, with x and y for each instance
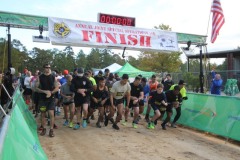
(123, 52)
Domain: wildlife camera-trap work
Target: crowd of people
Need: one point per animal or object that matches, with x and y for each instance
(113, 98)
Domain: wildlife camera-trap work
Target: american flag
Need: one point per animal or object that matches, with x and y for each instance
(217, 19)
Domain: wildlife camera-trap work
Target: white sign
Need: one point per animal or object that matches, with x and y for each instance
(101, 35)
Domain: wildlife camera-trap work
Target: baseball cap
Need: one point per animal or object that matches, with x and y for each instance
(181, 82)
(65, 72)
(80, 71)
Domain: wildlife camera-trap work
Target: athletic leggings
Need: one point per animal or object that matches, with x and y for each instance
(178, 110)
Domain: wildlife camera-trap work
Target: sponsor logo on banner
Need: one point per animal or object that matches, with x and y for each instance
(61, 30)
(208, 112)
(93, 34)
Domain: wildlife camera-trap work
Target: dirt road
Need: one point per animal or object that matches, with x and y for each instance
(105, 143)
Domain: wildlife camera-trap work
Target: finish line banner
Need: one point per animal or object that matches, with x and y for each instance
(92, 34)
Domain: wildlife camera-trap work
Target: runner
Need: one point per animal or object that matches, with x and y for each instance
(60, 100)
(183, 93)
(167, 82)
(82, 87)
(157, 100)
(174, 99)
(109, 83)
(34, 93)
(135, 100)
(94, 84)
(68, 101)
(153, 87)
(100, 74)
(46, 86)
(106, 73)
(98, 100)
(28, 91)
(119, 90)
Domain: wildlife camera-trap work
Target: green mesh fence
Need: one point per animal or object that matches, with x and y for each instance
(21, 140)
(219, 115)
(215, 114)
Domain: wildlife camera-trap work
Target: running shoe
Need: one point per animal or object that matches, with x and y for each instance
(152, 126)
(66, 123)
(115, 126)
(173, 125)
(84, 124)
(44, 130)
(51, 134)
(149, 125)
(124, 123)
(71, 124)
(135, 125)
(77, 126)
(98, 125)
(163, 126)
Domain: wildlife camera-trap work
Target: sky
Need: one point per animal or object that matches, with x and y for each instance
(184, 16)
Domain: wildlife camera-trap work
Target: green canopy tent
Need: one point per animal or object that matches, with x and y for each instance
(132, 71)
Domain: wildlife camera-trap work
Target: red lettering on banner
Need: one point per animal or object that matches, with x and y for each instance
(122, 39)
(99, 37)
(105, 37)
(145, 41)
(110, 37)
(132, 40)
(86, 35)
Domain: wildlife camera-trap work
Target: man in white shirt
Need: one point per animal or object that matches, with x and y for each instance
(119, 90)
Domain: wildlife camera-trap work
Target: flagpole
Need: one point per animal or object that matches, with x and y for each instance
(201, 76)
(208, 21)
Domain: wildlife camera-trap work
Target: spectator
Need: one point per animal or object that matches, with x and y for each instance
(216, 85)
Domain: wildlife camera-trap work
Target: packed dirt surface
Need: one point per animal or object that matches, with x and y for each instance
(105, 143)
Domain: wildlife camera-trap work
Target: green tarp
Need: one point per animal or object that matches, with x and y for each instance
(132, 71)
(21, 140)
(231, 87)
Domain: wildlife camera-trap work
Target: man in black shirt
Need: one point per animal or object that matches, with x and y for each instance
(100, 74)
(82, 87)
(174, 99)
(135, 99)
(167, 82)
(47, 86)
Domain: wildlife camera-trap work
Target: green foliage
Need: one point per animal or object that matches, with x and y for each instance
(191, 80)
(163, 27)
(18, 51)
(223, 66)
(160, 61)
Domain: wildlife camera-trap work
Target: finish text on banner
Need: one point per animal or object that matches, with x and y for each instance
(92, 34)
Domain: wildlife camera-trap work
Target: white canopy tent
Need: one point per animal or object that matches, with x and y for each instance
(113, 67)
